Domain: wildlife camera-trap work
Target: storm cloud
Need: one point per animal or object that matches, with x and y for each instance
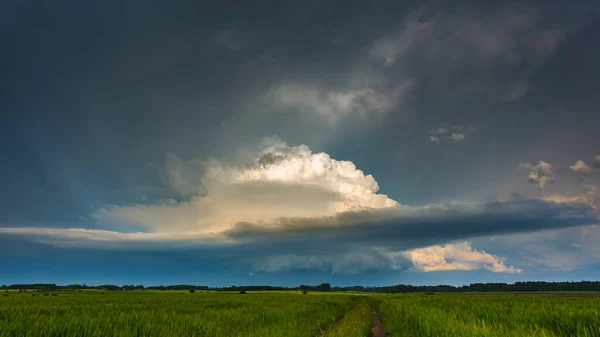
(149, 127)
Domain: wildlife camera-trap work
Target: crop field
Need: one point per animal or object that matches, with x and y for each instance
(172, 313)
(514, 315)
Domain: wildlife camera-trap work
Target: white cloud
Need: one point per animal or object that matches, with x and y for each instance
(581, 167)
(83, 237)
(279, 181)
(459, 256)
(541, 173)
(308, 210)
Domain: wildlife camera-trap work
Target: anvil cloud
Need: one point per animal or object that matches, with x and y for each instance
(299, 142)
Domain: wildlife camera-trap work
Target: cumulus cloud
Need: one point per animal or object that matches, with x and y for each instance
(597, 161)
(278, 181)
(287, 207)
(460, 256)
(581, 167)
(541, 173)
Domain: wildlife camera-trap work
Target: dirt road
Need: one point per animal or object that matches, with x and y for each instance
(377, 328)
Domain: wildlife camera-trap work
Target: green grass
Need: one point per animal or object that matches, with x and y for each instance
(87, 314)
(291, 314)
(490, 315)
(356, 322)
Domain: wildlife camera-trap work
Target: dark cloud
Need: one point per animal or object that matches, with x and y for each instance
(419, 228)
(95, 96)
(351, 242)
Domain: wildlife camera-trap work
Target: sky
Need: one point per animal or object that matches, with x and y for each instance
(299, 142)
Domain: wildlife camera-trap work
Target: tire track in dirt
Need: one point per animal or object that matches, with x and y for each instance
(377, 329)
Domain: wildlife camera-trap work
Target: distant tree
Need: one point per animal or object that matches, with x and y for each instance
(304, 292)
(192, 291)
(325, 287)
(242, 291)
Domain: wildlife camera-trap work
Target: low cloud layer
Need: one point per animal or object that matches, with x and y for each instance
(460, 256)
(285, 207)
(391, 239)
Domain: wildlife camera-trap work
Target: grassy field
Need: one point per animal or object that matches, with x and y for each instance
(289, 314)
(83, 314)
(493, 315)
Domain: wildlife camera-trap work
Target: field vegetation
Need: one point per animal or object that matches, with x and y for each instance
(493, 315)
(94, 313)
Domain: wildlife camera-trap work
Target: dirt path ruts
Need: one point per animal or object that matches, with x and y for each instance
(377, 328)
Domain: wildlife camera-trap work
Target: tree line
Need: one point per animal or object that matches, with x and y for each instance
(400, 288)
